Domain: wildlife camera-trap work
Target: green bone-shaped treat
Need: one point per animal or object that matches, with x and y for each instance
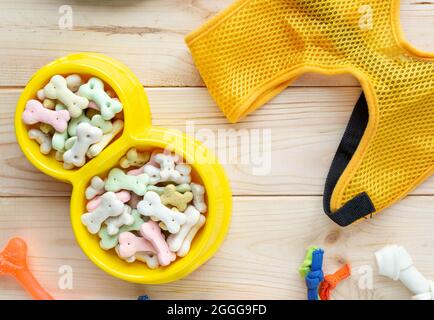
(105, 125)
(94, 90)
(108, 242)
(73, 124)
(59, 138)
(70, 142)
(118, 180)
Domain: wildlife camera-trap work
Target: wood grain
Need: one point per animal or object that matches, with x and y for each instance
(258, 260)
(148, 36)
(275, 216)
(306, 125)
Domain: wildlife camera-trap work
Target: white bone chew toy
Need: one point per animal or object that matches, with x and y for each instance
(395, 263)
(86, 136)
(110, 206)
(151, 206)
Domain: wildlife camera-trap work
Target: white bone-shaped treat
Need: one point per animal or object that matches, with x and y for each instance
(73, 82)
(42, 139)
(95, 188)
(175, 241)
(198, 197)
(153, 173)
(86, 136)
(96, 149)
(94, 90)
(167, 166)
(395, 263)
(150, 259)
(184, 173)
(124, 219)
(110, 206)
(57, 88)
(151, 206)
(117, 180)
(186, 244)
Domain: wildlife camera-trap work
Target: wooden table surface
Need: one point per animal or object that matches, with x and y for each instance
(275, 217)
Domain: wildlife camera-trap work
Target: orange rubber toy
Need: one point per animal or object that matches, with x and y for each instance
(332, 280)
(13, 262)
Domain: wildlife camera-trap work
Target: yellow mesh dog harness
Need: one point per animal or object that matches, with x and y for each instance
(256, 48)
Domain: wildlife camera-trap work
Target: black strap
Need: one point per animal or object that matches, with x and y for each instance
(361, 205)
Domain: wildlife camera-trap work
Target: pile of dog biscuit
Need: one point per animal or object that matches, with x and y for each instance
(76, 119)
(147, 209)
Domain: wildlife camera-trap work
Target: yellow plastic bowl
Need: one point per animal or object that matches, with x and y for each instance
(139, 133)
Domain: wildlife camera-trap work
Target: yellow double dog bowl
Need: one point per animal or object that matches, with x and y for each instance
(138, 133)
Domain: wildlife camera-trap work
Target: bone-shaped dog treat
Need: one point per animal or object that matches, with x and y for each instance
(49, 104)
(123, 196)
(175, 241)
(129, 245)
(94, 90)
(106, 126)
(124, 219)
(134, 158)
(59, 138)
(150, 259)
(182, 188)
(42, 139)
(395, 263)
(97, 148)
(73, 82)
(95, 188)
(186, 244)
(73, 124)
(167, 166)
(174, 198)
(152, 232)
(57, 89)
(86, 136)
(198, 197)
(110, 206)
(108, 242)
(13, 262)
(40, 95)
(46, 128)
(118, 180)
(35, 112)
(151, 206)
(70, 142)
(153, 173)
(135, 199)
(184, 173)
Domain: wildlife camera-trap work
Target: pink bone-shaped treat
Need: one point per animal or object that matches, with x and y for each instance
(151, 231)
(35, 112)
(123, 196)
(129, 245)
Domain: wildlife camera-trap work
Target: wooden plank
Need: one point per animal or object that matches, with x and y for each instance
(258, 260)
(148, 36)
(306, 126)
